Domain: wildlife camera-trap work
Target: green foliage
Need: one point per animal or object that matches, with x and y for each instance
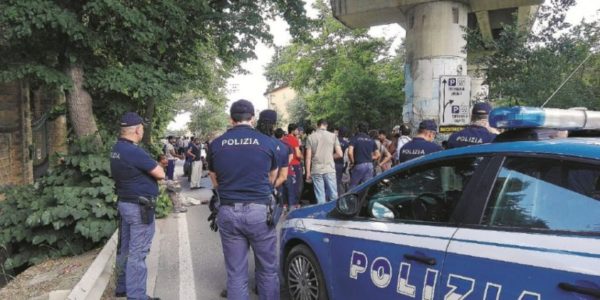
(344, 75)
(207, 119)
(163, 204)
(70, 210)
(298, 110)
(525, 68)
(137, 55)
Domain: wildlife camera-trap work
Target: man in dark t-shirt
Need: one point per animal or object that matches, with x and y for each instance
(361, 153)
(478, 132)
(243, 165)
(340, 163)
(135, 174)
(422, 143)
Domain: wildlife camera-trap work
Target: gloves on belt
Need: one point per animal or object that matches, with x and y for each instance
(212, 219)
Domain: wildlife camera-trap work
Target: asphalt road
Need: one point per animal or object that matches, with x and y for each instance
(190, 259)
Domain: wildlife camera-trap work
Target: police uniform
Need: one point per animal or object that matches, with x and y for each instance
(241, 159)
(363, 147)
(418, 146)
(282, 150)
(283, 153)
(339, 162)
(283, 158)
(473, 134)
(130, 166)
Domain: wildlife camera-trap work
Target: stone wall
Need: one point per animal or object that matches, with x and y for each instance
(15, 135)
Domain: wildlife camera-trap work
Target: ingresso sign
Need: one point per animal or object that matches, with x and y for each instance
(455, 104)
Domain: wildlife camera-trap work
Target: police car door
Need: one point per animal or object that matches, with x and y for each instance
(538, 236)
(395, 248)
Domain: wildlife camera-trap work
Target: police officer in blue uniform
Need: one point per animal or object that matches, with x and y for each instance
(243, 166)
(135, 174)
(422, 143)
(478, 132)
(362, 151)
(340, 164)
(267, 119)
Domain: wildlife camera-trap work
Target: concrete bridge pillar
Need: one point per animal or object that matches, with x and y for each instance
(434, 48)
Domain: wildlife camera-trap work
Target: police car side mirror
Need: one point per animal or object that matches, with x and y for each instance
(348, 205)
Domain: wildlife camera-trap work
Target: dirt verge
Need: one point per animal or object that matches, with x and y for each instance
(55, 274)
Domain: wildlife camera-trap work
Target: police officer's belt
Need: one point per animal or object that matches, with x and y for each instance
(133, 200)
(233, 203)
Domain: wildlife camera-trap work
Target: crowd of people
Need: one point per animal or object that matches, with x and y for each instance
(254, 173)
(327, 161)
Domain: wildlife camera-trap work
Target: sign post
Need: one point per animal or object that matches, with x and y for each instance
(455, 102)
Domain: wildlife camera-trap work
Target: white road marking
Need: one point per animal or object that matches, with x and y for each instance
(187, 287)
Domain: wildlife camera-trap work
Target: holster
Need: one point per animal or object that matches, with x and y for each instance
(146, 209)
(213, 205)
(215, 200)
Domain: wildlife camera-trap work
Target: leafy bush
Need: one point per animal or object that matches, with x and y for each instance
(70, 210)
(163, 204)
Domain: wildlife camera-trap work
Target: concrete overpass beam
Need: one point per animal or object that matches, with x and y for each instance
(481, 5)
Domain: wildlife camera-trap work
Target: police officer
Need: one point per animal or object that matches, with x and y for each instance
(340, 163)
(362, 151)
(478, 132)
(135, 174)
(243, 166)
(267, 119)
(422, 143)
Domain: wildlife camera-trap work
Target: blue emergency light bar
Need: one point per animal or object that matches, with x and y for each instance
(551, 118)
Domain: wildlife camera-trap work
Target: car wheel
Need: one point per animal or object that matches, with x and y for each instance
(304, 278)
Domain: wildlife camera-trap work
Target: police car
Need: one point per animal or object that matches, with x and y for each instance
(507, 220)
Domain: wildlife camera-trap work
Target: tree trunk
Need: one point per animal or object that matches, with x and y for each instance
(149, 116)
(57, 131)
(79, 103)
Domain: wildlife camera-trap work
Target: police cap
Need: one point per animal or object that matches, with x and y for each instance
(428, 125)
(481, 108)
(131, 119)
(241, 106)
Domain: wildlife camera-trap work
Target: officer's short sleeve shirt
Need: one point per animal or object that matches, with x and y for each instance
(363, 146)
(130, 166)
(417, 147)
(344, 145)
(471, 135)
(283, 152)
(242, 159)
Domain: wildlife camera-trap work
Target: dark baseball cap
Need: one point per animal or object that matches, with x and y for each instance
(131, 119)
(481, 108)
(242, 106)
(268, 115)
(428, 125)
